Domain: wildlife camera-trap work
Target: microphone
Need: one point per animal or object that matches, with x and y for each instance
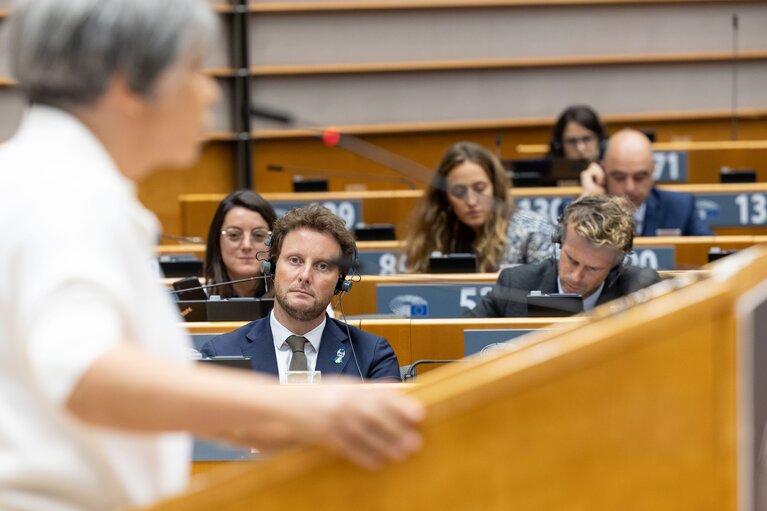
(338, 173)
(261, 112)
(410, 371)
(194, 240)
(734, 115)
(208, 286)
(333, 138)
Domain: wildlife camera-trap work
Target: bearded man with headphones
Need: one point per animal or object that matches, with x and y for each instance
(312, 256)
(595, 235)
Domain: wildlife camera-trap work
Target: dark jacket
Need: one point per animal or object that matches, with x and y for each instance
(375, 356)
(672, 210)
(508, 298)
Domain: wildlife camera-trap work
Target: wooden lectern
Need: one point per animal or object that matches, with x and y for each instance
(652, 404)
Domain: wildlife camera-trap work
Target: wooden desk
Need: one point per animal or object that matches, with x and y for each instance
(377, 206)
(396, 206)
(362, 298)
(690, 252)
(418, 339)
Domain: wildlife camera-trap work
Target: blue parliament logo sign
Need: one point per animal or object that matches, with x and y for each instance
(411, 306)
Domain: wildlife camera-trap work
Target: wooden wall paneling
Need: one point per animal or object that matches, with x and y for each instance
(213, 172)
(443, 338)
(426, 144)
(397, 332)
(500, 32)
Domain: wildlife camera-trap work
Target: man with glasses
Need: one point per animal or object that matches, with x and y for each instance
(311, 253)
(627, 170)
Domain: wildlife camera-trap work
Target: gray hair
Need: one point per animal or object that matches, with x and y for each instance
(64, 52)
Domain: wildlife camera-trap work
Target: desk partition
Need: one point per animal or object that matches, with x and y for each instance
(728, 208)
(654, 402)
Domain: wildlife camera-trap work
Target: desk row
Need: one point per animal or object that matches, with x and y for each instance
(723, 206)
(386, 257)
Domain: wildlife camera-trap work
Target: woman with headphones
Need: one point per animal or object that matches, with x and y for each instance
(467, 208)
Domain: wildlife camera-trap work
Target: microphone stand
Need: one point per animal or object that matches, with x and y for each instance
(226, 283)
(409, 169)
(338, 173)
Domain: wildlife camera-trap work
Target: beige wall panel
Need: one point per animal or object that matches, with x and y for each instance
(499, 94)
(379, 36)
(12, 106)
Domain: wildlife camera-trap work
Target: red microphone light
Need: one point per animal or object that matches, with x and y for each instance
(331, 137)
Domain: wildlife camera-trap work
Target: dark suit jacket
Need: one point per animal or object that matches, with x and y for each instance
(375, 356)
(672, 210)
(508, 298)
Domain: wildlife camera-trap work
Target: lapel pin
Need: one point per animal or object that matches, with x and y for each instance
(340, 354)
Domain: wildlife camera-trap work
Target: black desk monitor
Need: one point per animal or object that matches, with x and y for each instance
(553, 305)
(453, 263)
(375, 232)
(232, 362)
(239, 309)
(196, 292)
(737, 175)
(193, 310)
(234, 309)
(180, 265)
(545, 171)
(302, 184)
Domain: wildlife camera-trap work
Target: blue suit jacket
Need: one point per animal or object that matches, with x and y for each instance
(375, 356)
(672, 210)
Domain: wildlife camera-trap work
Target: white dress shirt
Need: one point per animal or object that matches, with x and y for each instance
(280, 336)
(639, 218)
(77, 280)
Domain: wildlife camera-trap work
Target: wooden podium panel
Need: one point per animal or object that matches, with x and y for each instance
(634, 408)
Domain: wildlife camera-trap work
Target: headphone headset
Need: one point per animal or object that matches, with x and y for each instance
(344, 285)
(588, 201)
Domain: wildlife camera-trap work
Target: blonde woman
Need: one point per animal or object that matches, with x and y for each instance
(467, 209)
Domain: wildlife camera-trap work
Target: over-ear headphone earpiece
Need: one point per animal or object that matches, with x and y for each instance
(269, 267)
(555, 146)
(344, 285)
(602, 148)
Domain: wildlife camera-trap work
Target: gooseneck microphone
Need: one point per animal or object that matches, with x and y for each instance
(208, 286)
(333, 138)
(339, 173)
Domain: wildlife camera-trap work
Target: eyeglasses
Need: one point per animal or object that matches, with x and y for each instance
(585, 140)
(234, 235)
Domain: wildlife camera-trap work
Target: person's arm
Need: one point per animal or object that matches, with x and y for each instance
(385, 365)
(131, 389)
(593, 180)
(491, 305)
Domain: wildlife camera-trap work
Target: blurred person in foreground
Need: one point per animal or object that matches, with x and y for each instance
(97, 395)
